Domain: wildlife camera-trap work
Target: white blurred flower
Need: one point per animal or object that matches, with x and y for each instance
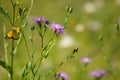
(117, 2)
(99, 3)
(66, 41)
(85, 60)
(48, 63)
(94, 25)
(79, 27)
(89, 7)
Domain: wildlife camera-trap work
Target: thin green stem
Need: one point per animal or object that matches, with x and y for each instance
(66, 20)
(12, 2)
(32, 57)
(28, 53)
(32, 42)
(45, 29)
(38, 67)
(14, 6)
(62, 62)
(45, 52)
(24, 25)
(42, 38)
(39, 28)
(53, 70)
(12, 59)
(12, 55)
(31, 4)
(68, 12)
(27, 15)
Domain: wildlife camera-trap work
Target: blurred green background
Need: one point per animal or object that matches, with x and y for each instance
(90, 20)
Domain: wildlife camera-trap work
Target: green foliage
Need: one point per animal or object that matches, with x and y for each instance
(26, 70)
(5, 14)
(91, 25)
(6, 66)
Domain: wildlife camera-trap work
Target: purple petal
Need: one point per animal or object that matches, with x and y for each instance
(64, 76)
(57, 28)
(98, 73)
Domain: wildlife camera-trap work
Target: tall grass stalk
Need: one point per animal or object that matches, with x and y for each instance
(67, 58)
(12, 55)
(12, 59)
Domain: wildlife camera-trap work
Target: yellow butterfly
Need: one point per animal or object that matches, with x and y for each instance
(13, 34)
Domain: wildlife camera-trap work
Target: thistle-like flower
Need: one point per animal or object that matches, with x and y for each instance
(57, 28)
(62, 76)
(39, 20)
(98, 74)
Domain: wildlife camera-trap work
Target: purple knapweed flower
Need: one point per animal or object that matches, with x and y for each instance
(57, 28)
(39, 20)
(98, 73)
(47, 22)
(85, 60)
(64, 76)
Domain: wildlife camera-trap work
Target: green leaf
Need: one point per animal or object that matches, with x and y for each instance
(47, 48)
(5, 14)
(26, 70)
(6, 66)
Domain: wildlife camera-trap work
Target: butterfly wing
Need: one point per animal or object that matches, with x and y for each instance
(13, 34)
(9, 35)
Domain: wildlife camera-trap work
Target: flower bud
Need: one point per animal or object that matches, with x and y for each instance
(33, 27)
(69, 9)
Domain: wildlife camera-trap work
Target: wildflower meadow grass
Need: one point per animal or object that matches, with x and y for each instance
(59, 40)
